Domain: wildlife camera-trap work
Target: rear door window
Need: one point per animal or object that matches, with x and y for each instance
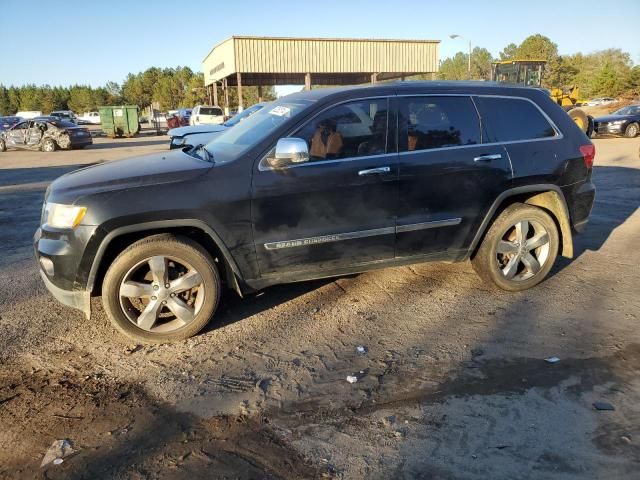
(512, 119)
(437, 122)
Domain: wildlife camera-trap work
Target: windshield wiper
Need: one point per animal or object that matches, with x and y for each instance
(203, 153)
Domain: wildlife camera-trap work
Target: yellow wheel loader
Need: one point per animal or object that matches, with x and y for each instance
(529, 73)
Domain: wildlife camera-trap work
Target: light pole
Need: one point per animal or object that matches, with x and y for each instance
(454, 36)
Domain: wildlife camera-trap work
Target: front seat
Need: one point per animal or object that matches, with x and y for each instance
(326, 141)
(377, 143)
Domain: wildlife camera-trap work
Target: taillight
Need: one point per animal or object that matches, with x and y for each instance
(588, 154)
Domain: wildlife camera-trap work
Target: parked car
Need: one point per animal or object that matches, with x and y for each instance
(90, 118)
(317, 184)
(8, 122)
(185, 116)
(595, 102)
(203, 134)
(173, 121)
(623, 122)
(29, 114)
(203, 114)
(46, 134)
(67, 115)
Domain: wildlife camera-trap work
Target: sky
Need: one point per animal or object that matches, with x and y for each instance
(94, 41)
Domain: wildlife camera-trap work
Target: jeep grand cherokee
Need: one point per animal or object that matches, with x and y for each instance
(320, 184)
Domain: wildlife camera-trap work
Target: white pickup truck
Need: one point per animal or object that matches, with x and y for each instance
(90, 117)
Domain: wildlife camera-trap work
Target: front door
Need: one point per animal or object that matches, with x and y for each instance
(448, 178)
(338, 209)
(17, 136)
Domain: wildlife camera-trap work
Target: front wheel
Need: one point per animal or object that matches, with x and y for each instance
(519, 249)
(632, 130)
(163, 288)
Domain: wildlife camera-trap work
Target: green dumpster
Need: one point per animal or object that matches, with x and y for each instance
(120, 121)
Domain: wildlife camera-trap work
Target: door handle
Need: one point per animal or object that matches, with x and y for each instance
(487, 158)
(374, 171)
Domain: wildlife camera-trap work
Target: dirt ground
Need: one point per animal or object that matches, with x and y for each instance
(453, 383)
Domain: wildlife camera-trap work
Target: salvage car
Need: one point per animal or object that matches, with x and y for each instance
(89, 118)
(624, 122)
(66, 115)
(319, 184)
(46, 134)
(201, 134)
(8, 122)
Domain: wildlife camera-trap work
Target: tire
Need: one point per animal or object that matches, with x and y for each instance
(3, 145)
(49, 145)
(581, 118)
(632, 130)
(504, 259)
(154, 321)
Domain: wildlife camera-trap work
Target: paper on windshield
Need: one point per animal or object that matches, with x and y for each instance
(280, 111)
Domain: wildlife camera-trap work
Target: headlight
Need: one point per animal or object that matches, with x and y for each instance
(617, 122)
(57, 215)
(178, 140)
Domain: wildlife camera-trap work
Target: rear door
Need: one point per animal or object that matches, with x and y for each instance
(448, 177)
(528, 135)
(339, 208)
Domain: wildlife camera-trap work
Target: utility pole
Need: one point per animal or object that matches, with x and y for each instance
(454, 36)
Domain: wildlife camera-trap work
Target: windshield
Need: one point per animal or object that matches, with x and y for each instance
(630, 110)
(507, 73)
(235, 141)
(243, 115)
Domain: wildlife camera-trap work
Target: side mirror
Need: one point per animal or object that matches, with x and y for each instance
(289, 151)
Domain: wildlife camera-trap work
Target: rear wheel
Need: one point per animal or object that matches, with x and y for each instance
(49, 145)
(161, 289)
(632, 130)
(3, 145)
(519, 249)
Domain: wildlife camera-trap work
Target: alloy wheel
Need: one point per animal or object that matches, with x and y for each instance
(523, 250)
(48, 146)
(161, 294)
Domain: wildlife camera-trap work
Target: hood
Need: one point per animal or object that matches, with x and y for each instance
(610, 118)
(153, 169)
(182, 131)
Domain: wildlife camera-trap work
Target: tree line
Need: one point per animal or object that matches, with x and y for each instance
(603, 73)
(163, 88)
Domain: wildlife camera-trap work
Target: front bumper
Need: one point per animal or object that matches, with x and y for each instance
(79, 299)
(608, 129)
(59, 255)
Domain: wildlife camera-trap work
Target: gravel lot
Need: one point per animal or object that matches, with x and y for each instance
(453, 383)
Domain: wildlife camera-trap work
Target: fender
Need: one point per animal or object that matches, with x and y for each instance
(565, 223)
(156, 225)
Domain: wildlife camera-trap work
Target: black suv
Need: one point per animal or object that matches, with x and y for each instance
(320, 184)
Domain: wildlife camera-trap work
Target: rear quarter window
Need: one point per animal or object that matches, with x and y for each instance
(512, 119)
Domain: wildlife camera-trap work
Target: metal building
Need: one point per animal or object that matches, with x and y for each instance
(259, 61)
